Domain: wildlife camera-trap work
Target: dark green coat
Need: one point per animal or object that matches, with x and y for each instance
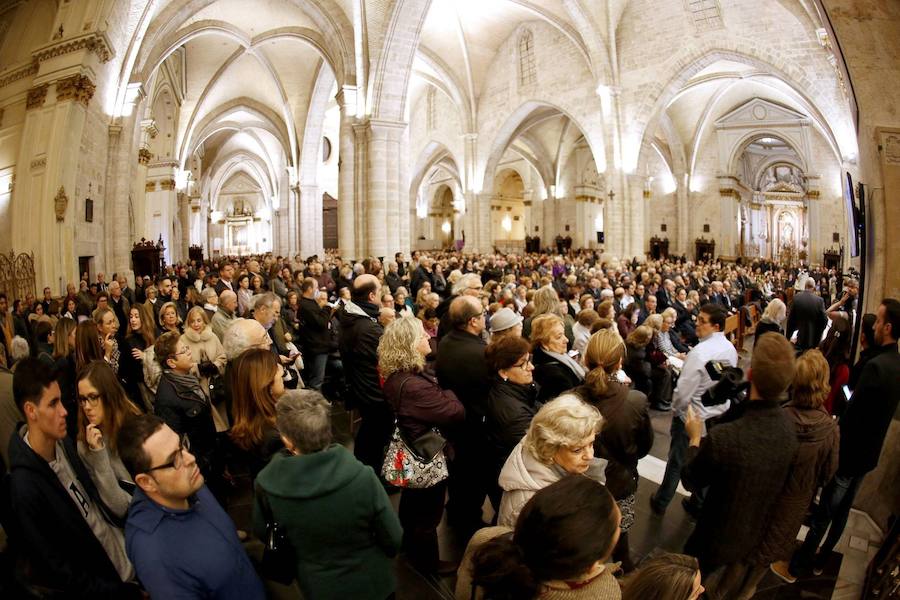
(339, 520)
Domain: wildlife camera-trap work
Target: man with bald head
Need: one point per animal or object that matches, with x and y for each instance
(461, 368)
(224, 314)
(360, 334)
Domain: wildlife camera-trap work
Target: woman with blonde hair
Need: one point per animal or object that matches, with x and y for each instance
(559, 441)
(815, 463)
(257, 384)
(169, 319)
(627, 431)
(546, 302)
(207, 351)
(554, 370)
(107, 328)
(102, 408)
(420, 405)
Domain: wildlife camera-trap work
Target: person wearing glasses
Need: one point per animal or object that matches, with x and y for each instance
(72, 540)
(693, 381)
(181, 541)
(102, 406)
(512, 403)
(559, 441)
(183, 403)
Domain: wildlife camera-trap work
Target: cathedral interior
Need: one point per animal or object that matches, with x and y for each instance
(370, 127)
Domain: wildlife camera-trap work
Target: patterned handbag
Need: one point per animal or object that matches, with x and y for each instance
(403, 467)
(419, 465)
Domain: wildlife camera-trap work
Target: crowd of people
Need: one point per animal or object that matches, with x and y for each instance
(518, 390)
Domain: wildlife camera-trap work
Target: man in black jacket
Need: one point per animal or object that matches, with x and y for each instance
(57, 516)
(744, 464)
(461, 367)
(807, 317)
(360, 334)
(315, 333)
(864, 426)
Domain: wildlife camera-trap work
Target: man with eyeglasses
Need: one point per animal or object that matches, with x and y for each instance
(184, 404)
(72, 540)
(181, 541)
(461, 367)
(693, 381)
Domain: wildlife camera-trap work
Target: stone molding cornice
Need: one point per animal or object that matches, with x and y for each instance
(75, 87)
(19, 72)
(96, 42)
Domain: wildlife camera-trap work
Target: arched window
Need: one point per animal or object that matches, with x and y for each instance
(527, 69)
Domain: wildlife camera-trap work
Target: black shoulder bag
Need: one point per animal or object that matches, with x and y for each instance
(279, 561)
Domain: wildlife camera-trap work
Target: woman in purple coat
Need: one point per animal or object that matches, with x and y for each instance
(419, 405)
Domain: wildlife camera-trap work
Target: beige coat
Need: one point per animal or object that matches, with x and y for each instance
(205, 346)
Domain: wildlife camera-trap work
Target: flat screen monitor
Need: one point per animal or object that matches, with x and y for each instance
(852, 216)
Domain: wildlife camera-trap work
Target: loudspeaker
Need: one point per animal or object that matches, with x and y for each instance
(600, 237)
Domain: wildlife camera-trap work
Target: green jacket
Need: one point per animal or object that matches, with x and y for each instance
(338, 519)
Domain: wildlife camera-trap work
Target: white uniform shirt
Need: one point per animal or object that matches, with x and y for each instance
(694, 380)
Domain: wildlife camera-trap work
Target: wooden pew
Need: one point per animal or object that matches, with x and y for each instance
(732, 329)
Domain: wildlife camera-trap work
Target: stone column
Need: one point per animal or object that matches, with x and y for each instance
(638, 243)
(683, 226)
(184, 217)
(161, 205)
(385, 197)
(310, 220)
(43, 207)
(347, 176)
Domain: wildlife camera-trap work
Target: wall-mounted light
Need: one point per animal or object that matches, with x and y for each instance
(445, 227)
(506, 223)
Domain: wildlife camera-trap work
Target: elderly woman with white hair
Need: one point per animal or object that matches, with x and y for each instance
(334, 511)
(559, 441)
(772, 320)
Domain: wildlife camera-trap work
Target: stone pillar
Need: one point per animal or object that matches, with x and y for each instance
(386, 199)
(118, 203)
(638, 244)
(347, 176)
(683, 225)
(43, 207)
(184, 218)
(310, 220)
(161, 205)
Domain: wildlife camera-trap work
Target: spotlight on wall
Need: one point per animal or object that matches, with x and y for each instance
(216, 216)
(506, 223)
(445, 227)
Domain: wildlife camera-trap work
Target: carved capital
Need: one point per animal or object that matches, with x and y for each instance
(39, 162)
(144, 156)
(813, 193)
(76, 87)
(60, 203)
(36, 97)
(167, 184)
(646, 194)
(150, 186)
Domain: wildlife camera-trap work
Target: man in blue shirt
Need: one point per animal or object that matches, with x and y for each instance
(181, 542)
